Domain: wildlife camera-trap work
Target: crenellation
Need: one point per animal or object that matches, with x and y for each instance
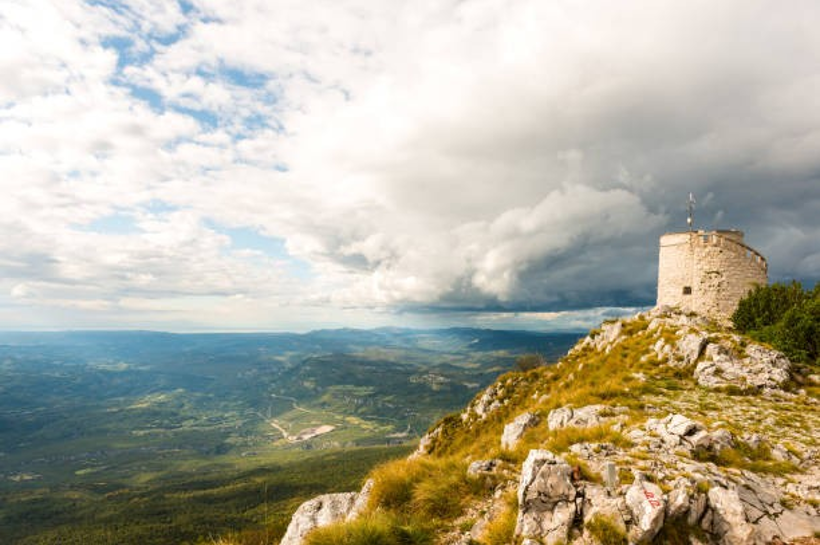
(708, 272)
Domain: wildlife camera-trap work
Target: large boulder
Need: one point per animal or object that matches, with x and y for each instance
(691, 346)
(515, 430)
(729, 518)
(546, 499)
(324, 510)
(646, 504)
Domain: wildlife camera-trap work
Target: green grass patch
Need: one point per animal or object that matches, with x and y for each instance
(605, 531)
(373, 529)
(501, 529)
(435, 488)
(560, 440)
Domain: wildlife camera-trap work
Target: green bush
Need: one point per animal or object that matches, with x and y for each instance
(785, 316)
(528, 362)
(766, 305)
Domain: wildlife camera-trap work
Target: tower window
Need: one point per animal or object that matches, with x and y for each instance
(687, 290)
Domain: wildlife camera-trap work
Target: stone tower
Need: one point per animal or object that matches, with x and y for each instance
(708, 272)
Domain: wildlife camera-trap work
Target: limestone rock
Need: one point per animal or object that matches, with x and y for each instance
(795, 524)
(678, 501)
(324, 510)
(515, 430)
(645, 501)
(605, 339)
(598, 502)
(488, 402)
(729, 518)
(427, 441)
(674, 428)
(610, 333)
(362, 499)
(779, 452)
(678, 431)
(691, 346)
(761, 368)
(697, 508)
(318, 512)
(583, 417)
(546, 498)
(482, 467)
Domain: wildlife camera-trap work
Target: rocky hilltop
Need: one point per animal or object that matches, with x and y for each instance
(662, 428)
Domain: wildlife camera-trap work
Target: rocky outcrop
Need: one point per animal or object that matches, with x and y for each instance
(761, 368)
(324, 510)
(582, 417)
(515, 430)
(677, 431)
(427, 441)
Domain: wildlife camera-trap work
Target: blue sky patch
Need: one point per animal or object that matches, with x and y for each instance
(159, 207)
(113, 224)
(145, 94)
(246, 238)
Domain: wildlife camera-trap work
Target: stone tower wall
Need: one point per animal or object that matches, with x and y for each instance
(708, 272)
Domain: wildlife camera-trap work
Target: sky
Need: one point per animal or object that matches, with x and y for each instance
(291, 165)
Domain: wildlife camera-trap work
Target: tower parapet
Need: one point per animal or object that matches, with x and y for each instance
(708, 272)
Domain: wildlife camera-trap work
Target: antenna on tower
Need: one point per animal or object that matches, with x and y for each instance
(690, 207)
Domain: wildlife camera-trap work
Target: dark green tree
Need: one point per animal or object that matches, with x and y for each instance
(766, 305)
(785, 316)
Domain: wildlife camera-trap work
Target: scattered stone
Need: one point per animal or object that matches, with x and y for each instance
(583, 417)
(678, 431)
(515, 430)
(762, 368)
(779, 452)
(482, 467)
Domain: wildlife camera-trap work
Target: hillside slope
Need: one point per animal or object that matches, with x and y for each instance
(662, 428)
